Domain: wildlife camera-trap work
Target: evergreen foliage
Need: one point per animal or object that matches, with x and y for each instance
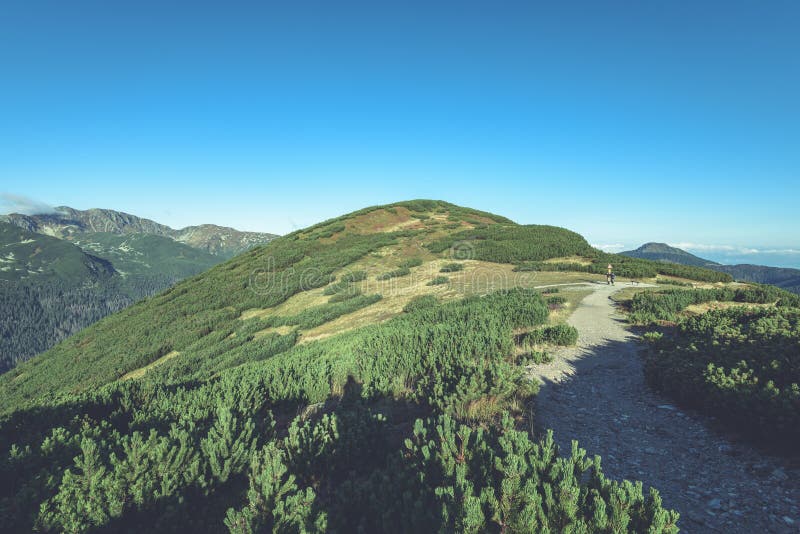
(649, 307)
(514, 244)
(739, 364)
(452, 268)
(627, 267)
(348, 294)
(421, 302)
(410, 263)
(354, 276)
(402, 271)
(560, 334)
(239, 426)
(386, 420)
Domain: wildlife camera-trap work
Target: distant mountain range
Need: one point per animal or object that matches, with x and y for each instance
(62, 271)
(785, 278)
(68, 223)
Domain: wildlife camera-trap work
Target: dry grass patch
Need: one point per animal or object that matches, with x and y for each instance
(383, 220)
(580, 260)
(140, 372)
(698, 309)
(291, 306)
(281, 330)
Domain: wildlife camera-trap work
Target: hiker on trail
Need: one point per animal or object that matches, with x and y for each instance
(609, 274)
(613, 277)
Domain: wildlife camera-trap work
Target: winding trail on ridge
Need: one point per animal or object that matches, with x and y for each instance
(595, 393)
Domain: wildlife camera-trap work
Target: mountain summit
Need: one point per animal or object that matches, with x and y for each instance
(665, 253)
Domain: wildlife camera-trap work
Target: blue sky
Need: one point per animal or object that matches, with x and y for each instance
(625, 121)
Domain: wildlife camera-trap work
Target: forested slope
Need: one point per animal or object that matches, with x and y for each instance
(51, 288)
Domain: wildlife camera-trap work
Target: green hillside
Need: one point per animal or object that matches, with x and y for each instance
(28, 256)
(268, 276)
(329, 367)
(143, 254)
(782, 277)
(51, 288)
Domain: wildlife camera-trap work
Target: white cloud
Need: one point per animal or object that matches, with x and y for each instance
(611, 247)
(702, 246)
(11, 203)
(732, 250)
(780, 251)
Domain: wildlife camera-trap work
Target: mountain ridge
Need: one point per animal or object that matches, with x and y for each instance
(782, 277)
(62, 271)
(25, 254)
(67, 223)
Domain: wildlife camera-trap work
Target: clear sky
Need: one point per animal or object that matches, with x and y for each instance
(674, 121)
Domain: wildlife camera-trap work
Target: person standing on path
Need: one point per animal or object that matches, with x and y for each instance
(609, 275)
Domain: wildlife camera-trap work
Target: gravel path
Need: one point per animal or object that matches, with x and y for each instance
(596, 393)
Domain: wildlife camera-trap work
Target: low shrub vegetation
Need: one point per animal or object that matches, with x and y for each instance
(421, 302)
(741, 365)
(649, 307)
(410, 263)
(535, 357)
(402, 271)
(234, 424)
(354, 276)
(452, 268)
(560, 334)
(413, 419)
(348, 294)
(626, 267)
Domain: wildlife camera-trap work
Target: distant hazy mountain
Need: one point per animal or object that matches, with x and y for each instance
(788, 279)
(665, 253)
(62, 271)
(68, 223)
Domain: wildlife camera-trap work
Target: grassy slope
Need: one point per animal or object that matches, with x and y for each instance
(204, 315)
(141, 254)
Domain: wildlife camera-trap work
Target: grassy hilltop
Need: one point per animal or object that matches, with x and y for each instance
(377, 358)
(289, 275)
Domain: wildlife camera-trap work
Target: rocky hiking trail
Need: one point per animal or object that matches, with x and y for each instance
(595, 393)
